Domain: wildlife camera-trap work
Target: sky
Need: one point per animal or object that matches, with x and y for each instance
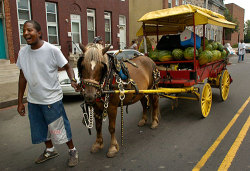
(243, 4)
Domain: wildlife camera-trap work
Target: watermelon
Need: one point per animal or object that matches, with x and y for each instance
(216, 55)
(206, 42)
(220, 47)
(200, 49)
(224, 54)
(177, 54)
(205, 57)
(189, 53)
(209, 47)
(215, 45)
(210, 41)
(165, 55)
(153, 54)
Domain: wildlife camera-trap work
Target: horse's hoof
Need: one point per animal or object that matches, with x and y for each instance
(96, 147)
(154, 125)
(142, 122)
(112, 152)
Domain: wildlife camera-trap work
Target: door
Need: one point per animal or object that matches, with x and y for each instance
(75, 33)
(122, 31)
(2, 39)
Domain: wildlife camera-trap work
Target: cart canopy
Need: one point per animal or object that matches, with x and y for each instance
(174, 20)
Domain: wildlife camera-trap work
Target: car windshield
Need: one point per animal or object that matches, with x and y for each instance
(126, 55)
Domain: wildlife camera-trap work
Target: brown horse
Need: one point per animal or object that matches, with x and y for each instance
(93, 68)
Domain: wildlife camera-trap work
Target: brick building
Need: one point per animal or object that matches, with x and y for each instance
(237, 13)
(137, 10)
(64, 23)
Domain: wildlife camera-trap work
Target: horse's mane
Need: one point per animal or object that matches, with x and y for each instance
(93, 52)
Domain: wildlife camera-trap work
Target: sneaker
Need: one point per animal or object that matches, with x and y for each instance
(46, 156)
(73, 158)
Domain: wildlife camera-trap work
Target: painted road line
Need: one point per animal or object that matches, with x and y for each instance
(209, 152)
(226, 163)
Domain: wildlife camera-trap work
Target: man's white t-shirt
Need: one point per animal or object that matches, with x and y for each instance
(40, 68)
(242, 48)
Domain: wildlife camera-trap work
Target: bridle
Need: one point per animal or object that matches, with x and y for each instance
(91, 83)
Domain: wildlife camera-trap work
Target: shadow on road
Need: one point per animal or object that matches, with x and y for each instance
(70, 99)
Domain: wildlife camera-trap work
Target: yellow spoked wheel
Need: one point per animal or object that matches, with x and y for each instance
(224, 85)
(205, 99)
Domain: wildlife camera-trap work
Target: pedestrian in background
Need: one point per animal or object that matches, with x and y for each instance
(241, 50)
(134, 45)
(98, 40)
(38, 62)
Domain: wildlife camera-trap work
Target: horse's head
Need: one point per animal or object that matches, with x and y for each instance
(92, 68)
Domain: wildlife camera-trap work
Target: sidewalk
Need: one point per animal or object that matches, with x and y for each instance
(9, 74)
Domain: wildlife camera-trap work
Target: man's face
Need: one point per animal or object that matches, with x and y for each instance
(30, 34)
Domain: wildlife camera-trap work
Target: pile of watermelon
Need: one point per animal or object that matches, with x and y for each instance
(213, 51)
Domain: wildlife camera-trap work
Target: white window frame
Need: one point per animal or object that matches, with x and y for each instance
(107, 16)
(176, 2)
(75, 19)
(91, 13)
(123, 25)
(170, 2)
(52, 24)
(22, 21)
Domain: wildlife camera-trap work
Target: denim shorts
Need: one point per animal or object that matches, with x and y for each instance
(49, 122)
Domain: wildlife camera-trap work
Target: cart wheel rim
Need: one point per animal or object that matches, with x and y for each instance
(206, 100)
(224, 85)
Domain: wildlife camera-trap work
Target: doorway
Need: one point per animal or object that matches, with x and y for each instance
(2, 38)
(75, 33)
(122, 31)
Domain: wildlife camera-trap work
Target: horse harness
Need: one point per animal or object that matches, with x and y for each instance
(109, 78)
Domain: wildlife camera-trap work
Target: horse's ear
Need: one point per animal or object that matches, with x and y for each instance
(82, 47)
(104, 50)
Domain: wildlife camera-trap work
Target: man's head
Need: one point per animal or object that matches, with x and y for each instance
(98, 40)
(32, 32)
(241, 41)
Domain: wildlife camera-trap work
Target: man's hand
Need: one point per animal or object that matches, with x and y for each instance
(75, 86)
(21, 109)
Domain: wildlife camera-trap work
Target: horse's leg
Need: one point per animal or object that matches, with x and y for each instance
(114, 146)
(155, 110)
(144, 112)
(99, 139)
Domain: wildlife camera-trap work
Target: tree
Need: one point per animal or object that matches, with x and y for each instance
(247, 31)
(229, 17)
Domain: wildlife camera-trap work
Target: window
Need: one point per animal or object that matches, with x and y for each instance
(107, 18)
(52, 26)
(212, 34)
(184, 2)
(176, 2)
(23, 14)
(169, 3)
(91, 24)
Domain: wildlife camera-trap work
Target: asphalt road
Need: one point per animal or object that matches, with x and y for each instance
(178, 144)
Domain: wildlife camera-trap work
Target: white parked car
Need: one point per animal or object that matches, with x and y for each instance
(65, 82)
(126, 53)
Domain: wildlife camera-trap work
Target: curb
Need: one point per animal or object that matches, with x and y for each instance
(11, 103)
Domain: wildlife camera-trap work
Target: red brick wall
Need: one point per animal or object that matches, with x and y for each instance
(237, 13)
(67, 7)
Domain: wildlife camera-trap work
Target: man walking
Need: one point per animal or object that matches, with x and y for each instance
(38, 63)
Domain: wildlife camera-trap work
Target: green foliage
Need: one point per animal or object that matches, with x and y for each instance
(235, 46)
(230, 18)
(247, 32)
